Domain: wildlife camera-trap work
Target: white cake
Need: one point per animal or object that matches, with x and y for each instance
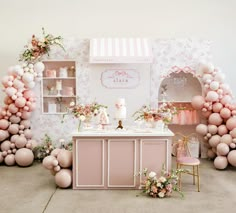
(120, 112)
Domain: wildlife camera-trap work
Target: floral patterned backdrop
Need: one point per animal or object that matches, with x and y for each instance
(167, 54)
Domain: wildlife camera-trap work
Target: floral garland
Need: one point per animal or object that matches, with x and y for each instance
(38, 47)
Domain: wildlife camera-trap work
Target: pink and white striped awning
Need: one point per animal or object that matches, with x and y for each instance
(120, 50)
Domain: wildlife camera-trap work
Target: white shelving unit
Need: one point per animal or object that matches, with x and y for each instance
(58, 86)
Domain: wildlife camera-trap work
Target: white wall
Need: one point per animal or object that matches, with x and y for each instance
(207, 19)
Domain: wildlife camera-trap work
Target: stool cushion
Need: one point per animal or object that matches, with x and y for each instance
(188, 161)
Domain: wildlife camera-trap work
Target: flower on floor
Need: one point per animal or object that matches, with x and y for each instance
(38, 47)
(162, 186)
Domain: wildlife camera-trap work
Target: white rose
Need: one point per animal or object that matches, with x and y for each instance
(152, 174)
(82, 118)
(158, 184)
(161, 194)
(72, 103)
(162, 179)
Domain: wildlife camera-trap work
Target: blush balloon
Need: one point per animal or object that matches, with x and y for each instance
(222, 130)
(225, 113)
(24, 157)
(48, 162)
(231, 123)
(3, 134)
(206, 114)
(25, 123)
(220, 162)
(10, 91)
(211, 154)
(227, 139)
(214, 85)
(63, 178)
(20, 102)
(10, 160)
(201, 129)
(55, 152)
(232, 145)
(233, 133)
(4, 124)
(12, 108)
(28, 94)
(39, 67)
(14, 119)
(222, 149)
(226, 99)
(5, 145)
(25, 115)
(212, 129)
(232, 157)
(214, 140)
(212, 96)
(197, 102)
(215, 119)
(28, 133)
(64, 158)
(13, 129)
(20, 141)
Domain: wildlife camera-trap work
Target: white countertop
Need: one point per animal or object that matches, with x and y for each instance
(123, 133)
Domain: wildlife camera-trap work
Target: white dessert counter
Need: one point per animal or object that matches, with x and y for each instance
(110, 159)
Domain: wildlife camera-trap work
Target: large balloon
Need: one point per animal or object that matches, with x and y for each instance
(232, 157)
(227, 139)
(212, 129)
(216, 107)
(231, 123)
(10, 160)
(64, 158)
(214, 140)
(39, 67)
(24, 157)
(215, 119)
(64, 178)
(212, 96)
(225, 113)
(198, 102)
(202, 129)
(222, 130)
(221, 162)
(222, 149)
(4, 124)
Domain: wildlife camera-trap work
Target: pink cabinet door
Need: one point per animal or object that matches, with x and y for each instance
(154, 153)
(89, 163)
(121, 163)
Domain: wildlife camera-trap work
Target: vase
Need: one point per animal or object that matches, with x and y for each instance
(151, 124)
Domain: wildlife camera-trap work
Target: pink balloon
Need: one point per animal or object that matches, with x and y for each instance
(232, 145)
(233, 133)
(20, 102)
(227, 139)
(32, 107)
(212, 96)
(20, 141)
(211, 154)
(4, 124)
(231, 123)
(8, 100)
(1, 157)
(14, 119)
(222, 149)
(212, 129)
(28, 133)
(215, 119)
(3, 134)
(225, 113)
(5, 145)
(64, 158)
(48, 162)
(220, 162)
(18, 84)
(12, 146)
(232, 157)
(222, 130)
(198, 102)
(226, 99)
(55, 152)
(206, 114)
(216, 107)
(55, 162)
(24, 157)
(10, 91)
(13, 138)
(57, 168)
(13, 129)
(64, 178)
(28, 94)
(25, 123)
(10, 160)
(25, 115)
(214, 140)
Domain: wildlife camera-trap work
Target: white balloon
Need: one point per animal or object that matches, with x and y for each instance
(27, 77)
(31, 84)
(39, 67)
(214, 85)
(220, 77)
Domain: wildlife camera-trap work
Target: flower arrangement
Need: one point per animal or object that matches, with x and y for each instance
(164, 112)
(162, 186)
(37, 47)
(84, 112)
(45, 149)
